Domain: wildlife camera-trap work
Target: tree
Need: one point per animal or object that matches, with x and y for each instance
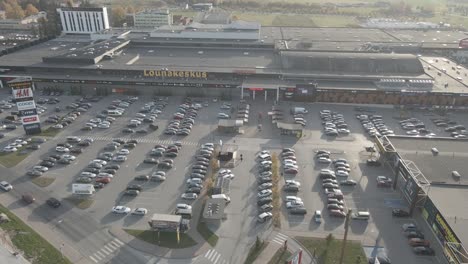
(130, 10)
(18, 12)
(69, 3)
(118, 16)
(31, 10)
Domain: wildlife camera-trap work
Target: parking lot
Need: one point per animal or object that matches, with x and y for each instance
(241, 225)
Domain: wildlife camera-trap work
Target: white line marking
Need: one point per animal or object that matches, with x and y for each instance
(112, 246)
(93, 259)
(118, 241)
(100, 254)
(115, 244)
(105, 251)
(208, 252)
(211, 254)
(97, 256)
(108, 248)
(217, 259)
(279, 242)
(282, 236)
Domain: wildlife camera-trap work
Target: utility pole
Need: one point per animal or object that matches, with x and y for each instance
(345, 238)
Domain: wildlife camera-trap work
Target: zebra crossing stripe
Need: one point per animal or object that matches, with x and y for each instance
(119, 242)
(207, 253)
(278, 241)
(282, 236)
(217, 259)
(98, 253)
(108, 248)
(111, 246)
(105, 251)
(93, 259)
(117, 245)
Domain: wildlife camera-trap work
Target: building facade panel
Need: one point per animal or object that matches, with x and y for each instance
(83, 20)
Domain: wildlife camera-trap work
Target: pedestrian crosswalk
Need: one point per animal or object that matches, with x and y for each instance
(145, 140)
(106, 250)
(280, 238)
(215, 257)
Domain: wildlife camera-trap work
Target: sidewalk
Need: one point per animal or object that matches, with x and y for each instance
(276, 241)
(6, 256)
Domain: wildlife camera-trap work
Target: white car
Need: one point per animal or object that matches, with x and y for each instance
(9, 149)
(292, 182)
(183, 206)
(40, 168)
(140, 115)
(324, 160)
(189, 196)
(294, 204)
(119, 158)
(223, 116)
(140, 211)
(103, 126)
(121, 209)
(105, 175)
(4, 185)
(224, 172)
(88, 174)
(211, 145)
(292, 198)
(266, 163)
(123, 152)
(341, 173)
(264, 193)
(68, 157)
(102, 162)
(91, 125)
(412, 132)
(57, 126)
(344, 131)
(62, 149)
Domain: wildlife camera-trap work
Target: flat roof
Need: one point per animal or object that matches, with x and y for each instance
(427, 36)
(452, 201)
(166, 217)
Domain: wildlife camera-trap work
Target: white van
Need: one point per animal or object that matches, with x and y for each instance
(221, 196)
(298, 110)
(361, 215)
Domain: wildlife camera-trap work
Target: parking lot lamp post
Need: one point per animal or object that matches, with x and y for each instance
(348, 216)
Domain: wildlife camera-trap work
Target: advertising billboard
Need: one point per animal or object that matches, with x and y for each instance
(21, 89)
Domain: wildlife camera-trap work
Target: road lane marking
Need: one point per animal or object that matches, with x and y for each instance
(219, 255)
(105, 251)
(93, 259)
(108, 248)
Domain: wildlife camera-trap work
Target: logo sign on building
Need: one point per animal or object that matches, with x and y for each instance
(22, 93)
(30, 119)
(31, 129)
(26, 105)
(28, 112)
(175, 74)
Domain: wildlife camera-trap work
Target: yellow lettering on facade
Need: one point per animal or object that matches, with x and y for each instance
(176, 74)
(204, 75)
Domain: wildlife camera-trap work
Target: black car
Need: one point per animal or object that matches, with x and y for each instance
(170, 154)
(47, 164)
(291, 188)
(110, 171)
(118, 140)
(196, 190)
(76, 150)
(298, 211)
(128, 130)
(55, 156)
(129, 145)
(64, 161)
(33, 147)
(92, 170)
(142, 131)
(153, 126)
(415, 234)
(264, 180)
(373, 162)
(34, 173)
(133, 141)
(52, 202)
(400, 213)
(99, 185)
(165, 165)
(265, 200)
(134, 187)
(112, 166)
(150, 161)
(424, 251)
(84, 143)
(266, 208)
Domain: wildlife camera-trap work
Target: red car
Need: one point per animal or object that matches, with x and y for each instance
(418, 242)
(337, 213)
(103, 180)
(291, 171)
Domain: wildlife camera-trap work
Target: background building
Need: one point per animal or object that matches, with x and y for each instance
(152, 19)
(83, 20)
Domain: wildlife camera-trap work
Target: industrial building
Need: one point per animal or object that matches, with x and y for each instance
(78, 20)
(152, 19)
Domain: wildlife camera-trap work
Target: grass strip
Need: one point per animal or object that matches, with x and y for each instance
(43, 181)
(276, 192)
(81, 203)
(35, 248)
(163, 239)
(327, 250)
(12, 159)
(280, 257)
(255, 251)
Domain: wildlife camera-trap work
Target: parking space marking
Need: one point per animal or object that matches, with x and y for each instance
(145, 140)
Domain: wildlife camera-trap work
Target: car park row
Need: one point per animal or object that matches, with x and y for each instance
(183, 119)
(333, 123)
(293, 203)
